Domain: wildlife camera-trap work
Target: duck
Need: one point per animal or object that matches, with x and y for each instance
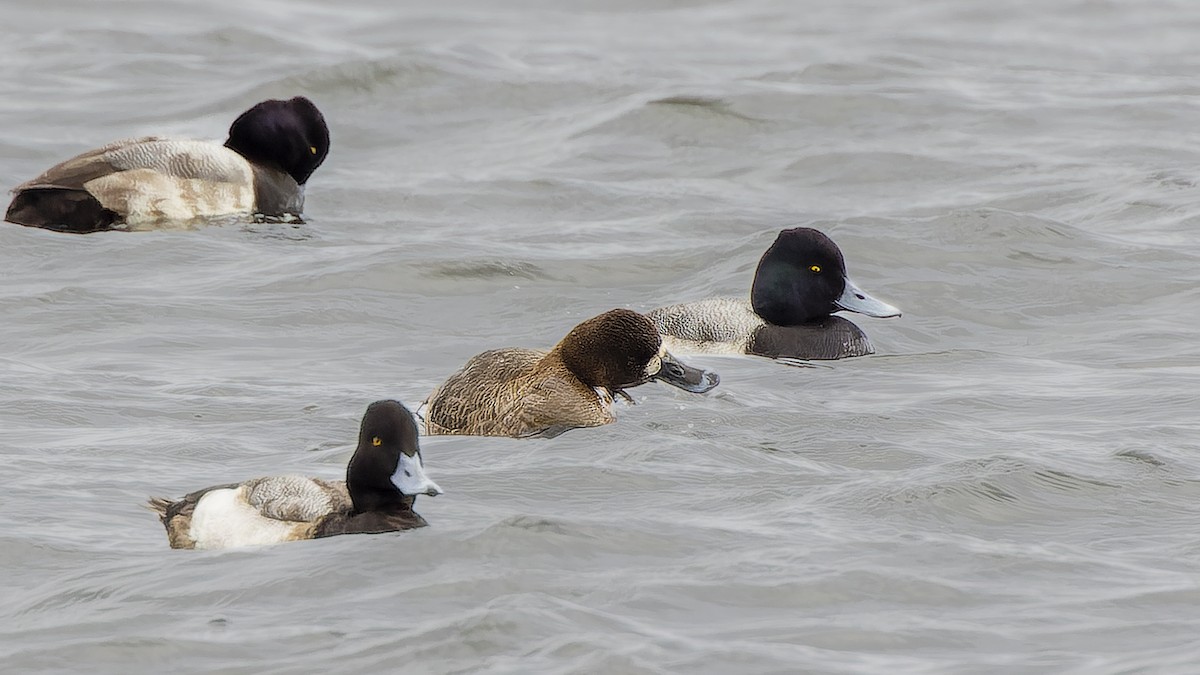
(383, 479)
(140, 183)
(800, 282)
(522, 393)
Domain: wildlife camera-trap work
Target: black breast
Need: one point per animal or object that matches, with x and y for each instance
(276, 193)
(372, 522)
(831, 337)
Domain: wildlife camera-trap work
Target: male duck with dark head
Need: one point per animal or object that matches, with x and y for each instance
(800, 282)
(525, 392)
(383, 479)
(139, 183)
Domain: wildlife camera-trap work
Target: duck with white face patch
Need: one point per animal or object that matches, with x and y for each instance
(383, 479)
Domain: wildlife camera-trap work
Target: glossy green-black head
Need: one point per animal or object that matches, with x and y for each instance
(621, 348)
(802, 278)
(289, 134)
(386, 469)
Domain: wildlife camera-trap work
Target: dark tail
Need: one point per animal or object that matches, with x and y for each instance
(159, 505)
(61, 210)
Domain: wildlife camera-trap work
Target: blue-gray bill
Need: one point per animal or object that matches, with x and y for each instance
(410, 478)
(854, 299)
(678, 374)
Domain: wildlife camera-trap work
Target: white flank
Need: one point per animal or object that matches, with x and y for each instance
(223, 519)
(175, 180)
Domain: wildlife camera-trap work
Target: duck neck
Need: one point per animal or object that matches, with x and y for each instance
(371, 493)
(367, 501)
(555, 360)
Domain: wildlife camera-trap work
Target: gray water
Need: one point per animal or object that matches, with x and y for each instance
(1011, 485)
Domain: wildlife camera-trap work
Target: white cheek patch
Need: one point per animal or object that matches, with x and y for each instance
(410, 478)
(655, 363)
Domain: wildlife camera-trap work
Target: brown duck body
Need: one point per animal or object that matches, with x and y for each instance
(525, 392)
(515, 392)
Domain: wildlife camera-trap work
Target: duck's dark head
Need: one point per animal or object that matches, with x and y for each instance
(290, 134)
(802, 278)
(386, 471)
(620, 349)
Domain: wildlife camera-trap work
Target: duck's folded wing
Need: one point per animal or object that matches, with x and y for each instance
(472, 400)
(175, 158)
(73, 173)
(549, 408)
(296, 498)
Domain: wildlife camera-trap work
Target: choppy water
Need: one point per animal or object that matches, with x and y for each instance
(1011, 485)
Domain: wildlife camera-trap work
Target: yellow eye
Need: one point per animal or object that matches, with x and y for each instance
(815, 269)
(312, 149)
(377, 441)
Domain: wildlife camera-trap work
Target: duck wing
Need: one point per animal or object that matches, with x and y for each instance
(296, 498)
(552, 406)
(474, 399)
(173, 157)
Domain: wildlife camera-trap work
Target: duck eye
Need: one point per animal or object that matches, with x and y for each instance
(312, 149)
(377, 441)
(815, 269)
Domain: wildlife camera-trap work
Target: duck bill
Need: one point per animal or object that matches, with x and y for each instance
(854, 299)
(410, 478)
(678, 374)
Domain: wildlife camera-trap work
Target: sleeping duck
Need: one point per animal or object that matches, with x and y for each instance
(141, 183)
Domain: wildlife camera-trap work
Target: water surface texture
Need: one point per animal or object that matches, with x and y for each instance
(1012, 484)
